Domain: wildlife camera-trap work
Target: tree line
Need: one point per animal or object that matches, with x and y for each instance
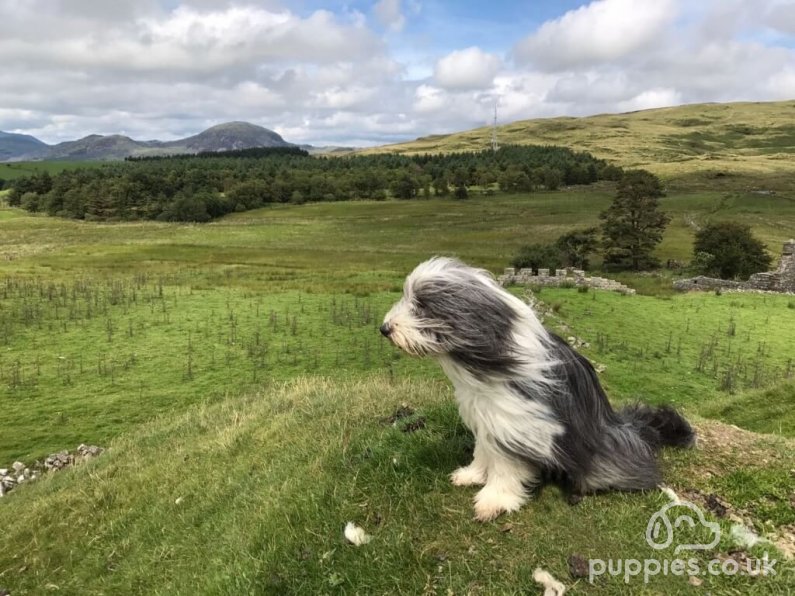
(205, 186)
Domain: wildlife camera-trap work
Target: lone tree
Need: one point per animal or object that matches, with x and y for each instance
(729, 250)
(633, 224)
(576, 246)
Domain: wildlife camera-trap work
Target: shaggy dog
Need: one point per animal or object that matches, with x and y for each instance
(535, 405)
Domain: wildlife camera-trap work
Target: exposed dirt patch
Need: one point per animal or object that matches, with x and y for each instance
(785, 541)
(725, 447)
(414, 425)
(578, 566)
(404, 411)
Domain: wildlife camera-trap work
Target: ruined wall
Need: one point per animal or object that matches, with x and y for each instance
(568, 277)
(780, 280)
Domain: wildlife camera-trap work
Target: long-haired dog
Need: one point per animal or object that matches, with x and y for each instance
(535, 406)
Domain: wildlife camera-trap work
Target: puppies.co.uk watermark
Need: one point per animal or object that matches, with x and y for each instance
(660, 534)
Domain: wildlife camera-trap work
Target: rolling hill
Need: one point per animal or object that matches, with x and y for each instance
(747, 138)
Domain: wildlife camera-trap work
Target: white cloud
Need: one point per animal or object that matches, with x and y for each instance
(652, 98)
(429, 99)
(389, 14)
(781, 85)
(471, 68)
(170, 68)
(602, 31)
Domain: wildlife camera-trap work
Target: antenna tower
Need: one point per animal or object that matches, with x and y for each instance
(494, 144)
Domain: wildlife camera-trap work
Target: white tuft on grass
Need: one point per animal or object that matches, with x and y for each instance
(669, 492)
(745, 537)
(552, 587)
(356, 535)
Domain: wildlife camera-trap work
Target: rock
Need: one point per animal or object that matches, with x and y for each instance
(88, 451)
(695, 581)
(20, 473)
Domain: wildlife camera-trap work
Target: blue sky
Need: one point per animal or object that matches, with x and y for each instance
(366, 72)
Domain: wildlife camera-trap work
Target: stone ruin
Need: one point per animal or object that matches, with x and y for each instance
(568, 277)
(19, 473)
(780, 280)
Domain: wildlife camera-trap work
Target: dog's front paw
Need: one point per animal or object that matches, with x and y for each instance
(468, 475)
(491, 502)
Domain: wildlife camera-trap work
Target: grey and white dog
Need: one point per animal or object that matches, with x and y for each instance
(535, 406)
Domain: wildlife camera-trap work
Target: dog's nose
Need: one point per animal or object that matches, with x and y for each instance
(385, 330)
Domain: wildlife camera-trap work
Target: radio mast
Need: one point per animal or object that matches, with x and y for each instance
(494, 144)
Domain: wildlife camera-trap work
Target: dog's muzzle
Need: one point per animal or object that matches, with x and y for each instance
(385, 330)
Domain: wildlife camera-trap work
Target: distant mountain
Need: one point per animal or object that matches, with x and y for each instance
(96, 147)
(223, 137)
(14, 146)
(228, 137)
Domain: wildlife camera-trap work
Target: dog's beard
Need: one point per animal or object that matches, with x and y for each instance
(417, 341)
(414, 335)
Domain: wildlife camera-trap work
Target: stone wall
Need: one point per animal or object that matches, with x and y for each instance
(568, 277)
(780, 280)
(708, 283)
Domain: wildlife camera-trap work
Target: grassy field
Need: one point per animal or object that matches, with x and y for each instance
(704, 145)
(235, 371)
(360, 245)
(18, 169)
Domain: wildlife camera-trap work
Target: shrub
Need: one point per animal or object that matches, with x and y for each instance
(729, 250)
(538, 256)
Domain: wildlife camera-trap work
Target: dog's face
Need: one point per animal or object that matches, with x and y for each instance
(448, 308)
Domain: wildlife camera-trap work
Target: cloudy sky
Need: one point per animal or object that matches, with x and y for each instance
(369, 72)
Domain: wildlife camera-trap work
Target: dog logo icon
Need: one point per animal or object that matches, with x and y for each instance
(661, 527)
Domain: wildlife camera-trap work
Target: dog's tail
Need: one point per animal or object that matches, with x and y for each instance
(659, 426)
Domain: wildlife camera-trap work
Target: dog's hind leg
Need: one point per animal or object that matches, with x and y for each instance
(508, 482)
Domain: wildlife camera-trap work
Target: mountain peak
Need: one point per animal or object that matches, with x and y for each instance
(230, 136)
(14, 146)
(227, 136)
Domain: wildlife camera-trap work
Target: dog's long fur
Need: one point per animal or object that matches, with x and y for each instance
(535, 406)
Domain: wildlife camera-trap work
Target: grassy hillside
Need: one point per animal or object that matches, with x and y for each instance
(250, 495)
(709, 141)
(235, 371)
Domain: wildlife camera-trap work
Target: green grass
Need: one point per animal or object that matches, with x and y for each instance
(266, 483)
(363, 245)
(237, 365)
(689, 350)
(19, 169)
(120, 352)
(775, 417)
